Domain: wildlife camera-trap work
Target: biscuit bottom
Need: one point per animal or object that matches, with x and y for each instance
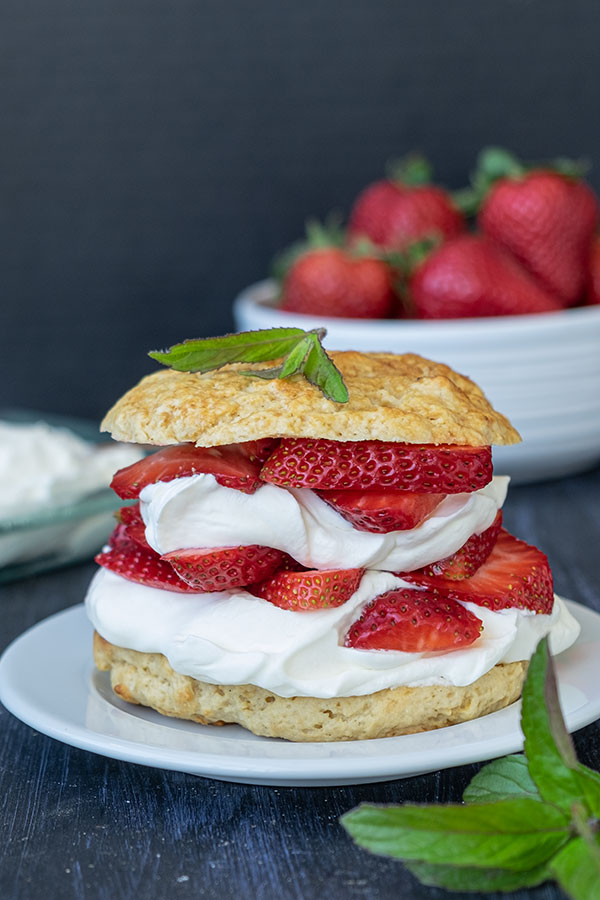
(149, 680)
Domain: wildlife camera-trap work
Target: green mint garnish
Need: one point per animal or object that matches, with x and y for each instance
(301, 353)
(525, 818)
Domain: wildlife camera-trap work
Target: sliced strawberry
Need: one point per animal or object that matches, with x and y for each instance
(131, 517)
(222, 568)
(414, 622)
(132, 562)
(346, 465)
(233, 465)
(515, 574)
(465, 562)
(311, 589)
(382, 511)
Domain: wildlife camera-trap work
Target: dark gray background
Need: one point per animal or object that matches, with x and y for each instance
(154, 155)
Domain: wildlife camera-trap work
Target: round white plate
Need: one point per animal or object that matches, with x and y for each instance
(47, 679)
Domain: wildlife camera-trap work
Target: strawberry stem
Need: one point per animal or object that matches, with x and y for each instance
(410, 171)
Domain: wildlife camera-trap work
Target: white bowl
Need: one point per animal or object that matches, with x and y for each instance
(542, 371)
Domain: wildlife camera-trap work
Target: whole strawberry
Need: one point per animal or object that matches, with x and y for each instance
(545, 217)
(395, 212)
(336, 282)
(470, 277)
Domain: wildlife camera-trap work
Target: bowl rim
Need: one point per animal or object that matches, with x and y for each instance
(260, 296)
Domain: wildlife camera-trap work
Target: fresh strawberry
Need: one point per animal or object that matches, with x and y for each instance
(233, 465)
(132, 562)
(471, 277)
(405, 208)
(547, 219)
(384, 510)
(346, 465)
(465, 562)
(131, 517)
(333, 282)
(593, 276)
(309, 589)
(414, 622)
(222, 568)
(515, 574)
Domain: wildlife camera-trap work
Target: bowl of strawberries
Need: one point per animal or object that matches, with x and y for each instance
(501, 281)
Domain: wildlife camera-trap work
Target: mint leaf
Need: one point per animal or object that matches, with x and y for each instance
(550, 753)
(320, 371)
(589, 783)
(577, 870)
(469, 879)
(301, 353)
(500, 780)
(205, 354)
(517, 834)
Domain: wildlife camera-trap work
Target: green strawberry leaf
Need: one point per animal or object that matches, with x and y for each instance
(501, 779)
(517, 834)
(302, 353)
(577, 870)
(548, 746)
(470, 879)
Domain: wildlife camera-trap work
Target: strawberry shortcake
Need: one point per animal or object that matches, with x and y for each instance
(318, 570)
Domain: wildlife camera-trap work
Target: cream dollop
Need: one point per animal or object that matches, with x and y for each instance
(232, 637)
(197, 512)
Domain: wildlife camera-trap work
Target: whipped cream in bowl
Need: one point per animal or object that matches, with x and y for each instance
(54, 497)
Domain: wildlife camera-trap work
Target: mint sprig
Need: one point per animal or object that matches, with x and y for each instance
(300, 353)
(525, 818)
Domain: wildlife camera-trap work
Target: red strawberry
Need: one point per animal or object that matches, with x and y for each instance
(341, 465)
(515, 574)
(130, 516)
(332, 282)
(396, 212)
(547, 220)
(233, 465)
(465, 562)
(384, 510)
(132, 562)
(593, 278)
(222, 568)
(414, 622)
(470, 276)
(309, 589)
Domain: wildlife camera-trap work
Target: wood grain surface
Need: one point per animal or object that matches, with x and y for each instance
(76, 826)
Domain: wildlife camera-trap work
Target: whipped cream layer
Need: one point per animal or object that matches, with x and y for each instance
(232, 637)
(197, 512)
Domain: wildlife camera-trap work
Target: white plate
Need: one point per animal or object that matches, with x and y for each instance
(47, 679)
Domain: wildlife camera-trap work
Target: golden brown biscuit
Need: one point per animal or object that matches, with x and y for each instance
(392, 398)
(149, 680)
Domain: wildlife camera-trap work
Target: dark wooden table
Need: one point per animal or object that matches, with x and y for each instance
(76, 826)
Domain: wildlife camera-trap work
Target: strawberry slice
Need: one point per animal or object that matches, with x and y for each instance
(233, 465)
(131, 517)
(347, 465)
(309, 589)
(465, 562)
(132, 562)
(515, 574)
(222, 568)
(382, 511)
(414, 622)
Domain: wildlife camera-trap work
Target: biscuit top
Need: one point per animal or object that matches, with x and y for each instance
(393, 397)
